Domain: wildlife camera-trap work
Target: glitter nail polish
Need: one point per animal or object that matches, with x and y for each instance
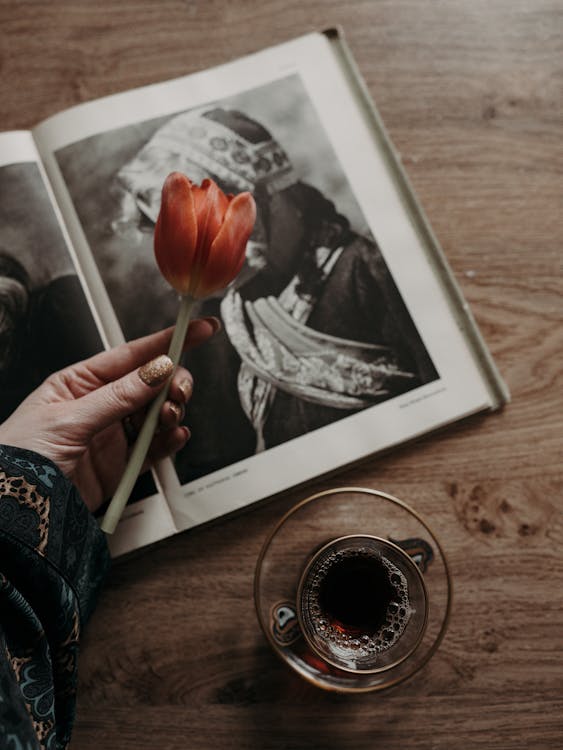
(156, 371)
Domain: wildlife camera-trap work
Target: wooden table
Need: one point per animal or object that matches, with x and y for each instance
(471, 93)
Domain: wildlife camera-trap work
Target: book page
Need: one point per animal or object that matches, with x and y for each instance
(47, 317)
(338, 340)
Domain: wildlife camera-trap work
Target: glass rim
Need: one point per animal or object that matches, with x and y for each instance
(409, 563)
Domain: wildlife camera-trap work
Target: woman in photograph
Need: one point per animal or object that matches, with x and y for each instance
(314, 327)
(42, 330)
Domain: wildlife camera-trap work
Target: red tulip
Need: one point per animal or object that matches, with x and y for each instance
(199, 243)
(201, 234)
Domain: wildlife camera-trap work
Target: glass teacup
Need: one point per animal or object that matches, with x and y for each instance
(361, 604)
(353, 590)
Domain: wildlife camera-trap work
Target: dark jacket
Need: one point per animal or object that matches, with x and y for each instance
(59, 331)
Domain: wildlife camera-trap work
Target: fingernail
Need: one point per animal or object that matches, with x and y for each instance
(156, 371)
(186, 387)
(177, 410)
(186, 434)
(214, 322)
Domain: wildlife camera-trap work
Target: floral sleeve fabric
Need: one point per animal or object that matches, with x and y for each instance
(53, 559)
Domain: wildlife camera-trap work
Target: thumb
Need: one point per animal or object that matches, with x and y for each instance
(116, 400)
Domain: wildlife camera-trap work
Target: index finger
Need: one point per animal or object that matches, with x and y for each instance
(117, 362)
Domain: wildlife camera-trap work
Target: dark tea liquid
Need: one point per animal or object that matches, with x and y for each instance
(356, 593)
(355, 602)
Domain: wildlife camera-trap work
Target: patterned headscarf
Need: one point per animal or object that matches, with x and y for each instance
(239, 153)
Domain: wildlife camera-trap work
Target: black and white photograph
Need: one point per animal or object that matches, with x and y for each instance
(45, 321)
(314, 328)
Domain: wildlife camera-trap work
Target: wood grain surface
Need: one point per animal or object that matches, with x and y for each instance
(471, 93)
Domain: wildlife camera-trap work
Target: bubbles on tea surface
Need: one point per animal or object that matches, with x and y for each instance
(350, 640)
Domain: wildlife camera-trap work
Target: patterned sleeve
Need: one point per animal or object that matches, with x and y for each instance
(53, 558)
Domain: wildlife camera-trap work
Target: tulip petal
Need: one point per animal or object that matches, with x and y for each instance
(210, 207)
(227, 252)
(176, 232)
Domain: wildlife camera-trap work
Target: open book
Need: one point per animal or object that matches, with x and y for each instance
(345, 333)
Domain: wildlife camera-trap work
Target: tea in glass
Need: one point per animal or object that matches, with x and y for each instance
(362, 603)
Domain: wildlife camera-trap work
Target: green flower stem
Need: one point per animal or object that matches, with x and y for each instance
(141, 447)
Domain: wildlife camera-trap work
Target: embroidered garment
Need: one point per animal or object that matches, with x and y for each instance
(278, 351)
(53, 558)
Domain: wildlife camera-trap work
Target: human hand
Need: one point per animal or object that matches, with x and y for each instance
(76, 417)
